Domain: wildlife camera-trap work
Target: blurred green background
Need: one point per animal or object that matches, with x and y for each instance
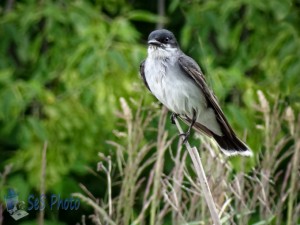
(65, 64)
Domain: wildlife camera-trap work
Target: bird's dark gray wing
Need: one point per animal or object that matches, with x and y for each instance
(142, 73)
(191, 69)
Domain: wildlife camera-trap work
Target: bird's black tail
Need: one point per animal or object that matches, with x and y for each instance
(231, 145)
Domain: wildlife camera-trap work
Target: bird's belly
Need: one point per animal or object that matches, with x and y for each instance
(179, 93)
(176, 91)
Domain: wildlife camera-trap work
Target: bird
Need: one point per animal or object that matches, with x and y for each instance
(178, 82)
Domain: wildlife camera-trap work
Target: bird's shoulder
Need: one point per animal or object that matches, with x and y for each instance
(188, 62)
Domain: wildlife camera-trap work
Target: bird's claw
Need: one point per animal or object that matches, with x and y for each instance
(173, 117)
(185, 136)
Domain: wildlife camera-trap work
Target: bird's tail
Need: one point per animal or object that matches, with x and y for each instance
(231, 145)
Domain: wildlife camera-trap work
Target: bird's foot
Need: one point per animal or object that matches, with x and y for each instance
(173, 117)
(185, 136)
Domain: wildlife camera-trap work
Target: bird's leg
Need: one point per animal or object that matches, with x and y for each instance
(173, 117)
(187, 134)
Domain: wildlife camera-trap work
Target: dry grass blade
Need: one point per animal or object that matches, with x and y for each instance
(96, 207)
(162, 145)
(43, 178)
(293, 185)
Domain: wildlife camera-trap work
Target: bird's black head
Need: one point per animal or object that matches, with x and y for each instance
(162, 38)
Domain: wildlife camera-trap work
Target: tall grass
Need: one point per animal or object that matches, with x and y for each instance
(151, 194)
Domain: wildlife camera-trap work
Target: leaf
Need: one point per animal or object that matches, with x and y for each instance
(141, 15)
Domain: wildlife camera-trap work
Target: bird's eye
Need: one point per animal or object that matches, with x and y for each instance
(167, 39)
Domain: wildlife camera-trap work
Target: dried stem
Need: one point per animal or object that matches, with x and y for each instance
(162, 145)
(96, 207)
(293, 185)
(161, 13)
(202, 178)
(43, 178)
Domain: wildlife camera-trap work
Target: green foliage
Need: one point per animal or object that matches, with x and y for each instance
(62, 68)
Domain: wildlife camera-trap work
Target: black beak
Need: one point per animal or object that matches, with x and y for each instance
(154, 42)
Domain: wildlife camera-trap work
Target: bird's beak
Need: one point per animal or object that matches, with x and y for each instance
(154, 42)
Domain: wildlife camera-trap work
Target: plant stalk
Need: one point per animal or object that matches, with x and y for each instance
(202, 178)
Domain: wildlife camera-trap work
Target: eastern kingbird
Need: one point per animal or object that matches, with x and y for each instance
(177, 81)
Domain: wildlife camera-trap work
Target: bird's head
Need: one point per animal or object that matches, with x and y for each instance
(162, 40)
